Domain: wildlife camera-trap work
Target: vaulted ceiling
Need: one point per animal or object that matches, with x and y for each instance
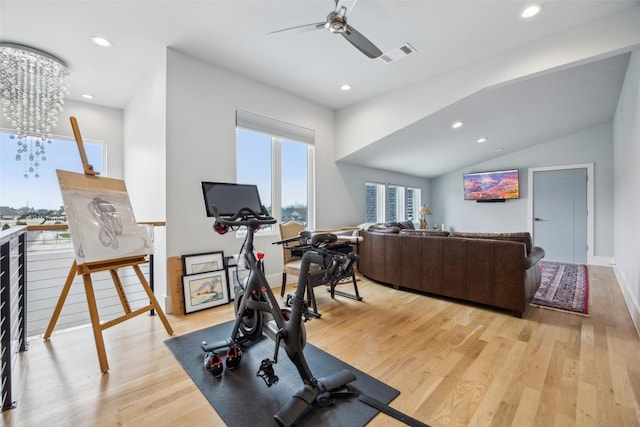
(446, 36)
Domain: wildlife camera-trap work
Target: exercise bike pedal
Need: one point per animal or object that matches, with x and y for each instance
(267, 373)
(213, 363)
(306, 313)
(233, 357)
(325, 399)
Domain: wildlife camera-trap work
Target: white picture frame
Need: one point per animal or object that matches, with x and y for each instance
(203, 262)
(204, 290)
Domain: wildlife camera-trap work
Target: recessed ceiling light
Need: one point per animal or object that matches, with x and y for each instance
(499, 150)
(457, 124)
(531, 11)
(87, 96)
(481, 140)
(101, 41)
(345, 87)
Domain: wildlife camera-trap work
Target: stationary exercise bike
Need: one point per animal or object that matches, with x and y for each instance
(258, 312)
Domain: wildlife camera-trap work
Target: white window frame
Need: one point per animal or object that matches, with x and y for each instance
(383, 206)
(381, 194)
(401, 198)
(276, 179)
(417, 202)
(280, 131)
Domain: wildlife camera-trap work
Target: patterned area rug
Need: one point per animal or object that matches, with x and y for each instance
(564, 287)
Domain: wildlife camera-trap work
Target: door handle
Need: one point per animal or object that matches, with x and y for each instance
(538, 219)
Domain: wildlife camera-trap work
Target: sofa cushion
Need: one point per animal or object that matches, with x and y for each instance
(407, 225)
(523, 237)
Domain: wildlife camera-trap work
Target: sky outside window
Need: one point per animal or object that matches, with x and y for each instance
(43, 192)
(253, 163)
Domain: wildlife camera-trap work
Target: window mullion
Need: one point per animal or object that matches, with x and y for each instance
(276, 176)
(311, 194)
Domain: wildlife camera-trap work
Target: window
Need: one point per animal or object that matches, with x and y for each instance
(403, 202)
(413, 203)
(396, 203)
(295, 182)
(40, 196)
(281, 167)
(374, 202)
(254, 164)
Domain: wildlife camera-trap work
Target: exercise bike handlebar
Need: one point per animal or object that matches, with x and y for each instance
(244, 216)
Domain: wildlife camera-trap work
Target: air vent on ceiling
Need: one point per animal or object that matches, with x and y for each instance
(398, 53)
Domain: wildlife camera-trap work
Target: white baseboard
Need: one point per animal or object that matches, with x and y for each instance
(632, 304)
(601, 260)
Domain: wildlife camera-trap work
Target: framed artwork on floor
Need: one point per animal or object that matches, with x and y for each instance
(202, 263)
(205, 290)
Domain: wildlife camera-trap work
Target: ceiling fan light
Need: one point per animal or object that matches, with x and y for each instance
(336, 27)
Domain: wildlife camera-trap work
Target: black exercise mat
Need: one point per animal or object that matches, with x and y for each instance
(243, 399)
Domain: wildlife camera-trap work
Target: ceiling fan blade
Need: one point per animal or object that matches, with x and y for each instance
(300, 28)
(361, 42)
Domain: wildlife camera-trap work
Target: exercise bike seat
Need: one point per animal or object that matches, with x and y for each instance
(323, 238)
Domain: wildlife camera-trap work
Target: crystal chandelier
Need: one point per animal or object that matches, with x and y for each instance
(33, 84)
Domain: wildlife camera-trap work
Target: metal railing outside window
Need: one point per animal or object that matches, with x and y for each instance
(12, 307)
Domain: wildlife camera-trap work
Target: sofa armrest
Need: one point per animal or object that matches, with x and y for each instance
(536, 254)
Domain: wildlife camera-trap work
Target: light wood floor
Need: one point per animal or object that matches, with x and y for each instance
(455, 364)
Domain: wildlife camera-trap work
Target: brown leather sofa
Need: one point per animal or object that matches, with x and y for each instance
(497, 269)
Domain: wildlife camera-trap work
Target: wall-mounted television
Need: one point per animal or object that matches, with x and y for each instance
(492, 186)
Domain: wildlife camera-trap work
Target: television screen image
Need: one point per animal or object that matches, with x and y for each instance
(498, 185)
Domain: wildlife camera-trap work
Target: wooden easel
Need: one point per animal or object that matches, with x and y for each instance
(86, 269)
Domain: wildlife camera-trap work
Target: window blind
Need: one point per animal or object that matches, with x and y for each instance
(270, 126)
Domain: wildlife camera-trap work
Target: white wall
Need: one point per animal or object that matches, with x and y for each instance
(145, 164)
(594, 145)
(145, 148)
(626, 178)
(201, 103)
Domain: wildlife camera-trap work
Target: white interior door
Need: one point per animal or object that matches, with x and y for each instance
(560, 213)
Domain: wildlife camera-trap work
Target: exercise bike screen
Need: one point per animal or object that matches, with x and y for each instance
(229, 198)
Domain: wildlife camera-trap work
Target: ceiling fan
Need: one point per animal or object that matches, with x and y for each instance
(336, 22)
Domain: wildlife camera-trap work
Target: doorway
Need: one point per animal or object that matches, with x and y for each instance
(561, 211)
